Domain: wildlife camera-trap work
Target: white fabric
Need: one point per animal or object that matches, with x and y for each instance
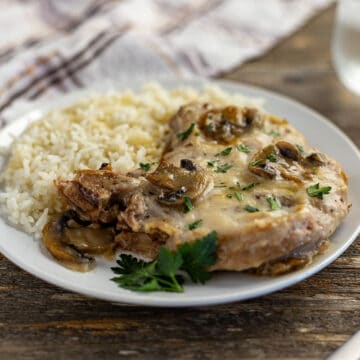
(49, 47)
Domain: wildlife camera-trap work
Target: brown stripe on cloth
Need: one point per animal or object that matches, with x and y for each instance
(72, 68)
(11, 51)
(192, 13)
(171, 63)
(16, 95)
(28, 71)
(67, 22)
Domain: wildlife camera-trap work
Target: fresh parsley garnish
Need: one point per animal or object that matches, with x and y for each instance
(223, 168)
(238, 195)
(300, 148)
(198, 256)
(195, 225)
(247, 187)
(272, 157)
(184, 135)
(272, 133)
(250, 208)
(273, 203)
(225, 152)
(211, 163)
(318, 191)
(188, 206)
(254, 163)
(146, 166)
(162, 274)
(243, 148)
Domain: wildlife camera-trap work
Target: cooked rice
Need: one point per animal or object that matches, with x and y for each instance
(123, 129)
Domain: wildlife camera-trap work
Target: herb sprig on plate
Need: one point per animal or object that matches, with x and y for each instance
(162, 274)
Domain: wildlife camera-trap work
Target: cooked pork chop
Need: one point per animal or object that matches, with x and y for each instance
(272, 199)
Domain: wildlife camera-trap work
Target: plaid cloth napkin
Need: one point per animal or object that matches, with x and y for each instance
(48, 47)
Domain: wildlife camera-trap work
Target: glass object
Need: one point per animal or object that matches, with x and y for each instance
(346, 44)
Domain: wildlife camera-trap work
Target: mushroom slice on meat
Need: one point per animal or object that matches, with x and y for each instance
(282, 159)
(66, 254)
(173, 182)
(88, 240)
(226, 124)
(97, 195)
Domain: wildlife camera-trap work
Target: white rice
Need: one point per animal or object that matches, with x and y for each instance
(123, 129)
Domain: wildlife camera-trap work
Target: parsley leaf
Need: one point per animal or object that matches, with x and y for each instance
(198, 256)
(223, 168)
(254, 163)
(184, 135)
(162, 273)
(238, 195)
(188, 206)
(273, 203)
(250, 208)
(195, 225)
(243, 148)
(146, 166)
(300, 148)
(247, 187)
(225, 152)
(211, 163)
(272, 133)
(272, 157)
(318, 191)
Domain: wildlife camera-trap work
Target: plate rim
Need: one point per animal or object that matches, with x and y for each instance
(288, 279)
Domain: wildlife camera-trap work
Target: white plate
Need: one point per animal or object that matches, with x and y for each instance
(223, 287)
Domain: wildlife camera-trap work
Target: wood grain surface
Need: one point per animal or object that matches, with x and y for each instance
(307, 321)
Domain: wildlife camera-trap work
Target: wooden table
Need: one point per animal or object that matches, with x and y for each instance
(306, 321)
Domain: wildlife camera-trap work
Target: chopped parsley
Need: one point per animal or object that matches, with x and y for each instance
(273, 203)
(229, 195)
(318, 191)
(243, 148)
(250, 208)
(195, 225)
(188, 206)
(238, 195)
(223, 168)
(162, 274)
(184, 135)
(146, 166)
(272, 133)
(272, 157)
(249, 186)
(211, 163)
(254, 163)
(225, 152)
(300, 148)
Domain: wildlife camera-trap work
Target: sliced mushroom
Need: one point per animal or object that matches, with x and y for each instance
(282, 159)
(226, 124)
(90, 241)
(66, 254)
(315, 160)
(97, 195)
(261, 165)
(288, 150)
(174, 182)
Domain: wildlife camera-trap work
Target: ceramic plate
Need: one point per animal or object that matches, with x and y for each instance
(224, 286)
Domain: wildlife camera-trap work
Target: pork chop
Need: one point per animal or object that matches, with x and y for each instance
(272, 199)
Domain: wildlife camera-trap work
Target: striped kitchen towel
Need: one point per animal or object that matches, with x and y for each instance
(49, 47)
